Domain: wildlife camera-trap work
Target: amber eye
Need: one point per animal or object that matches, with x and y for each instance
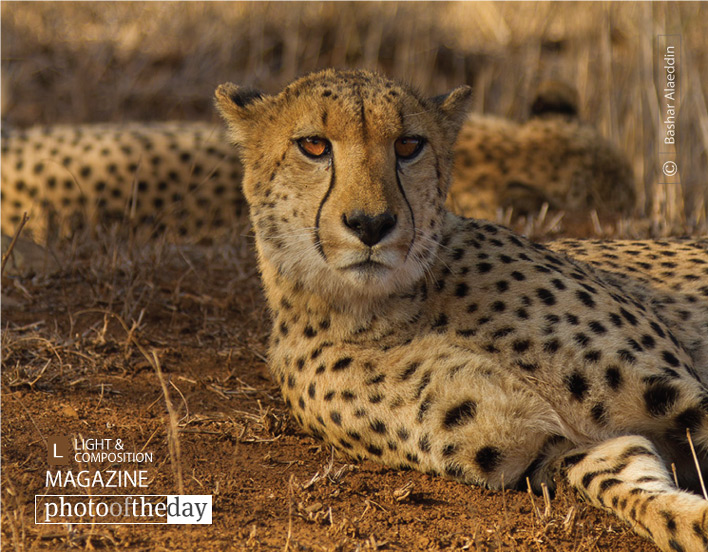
(407, 147)
(314, 146)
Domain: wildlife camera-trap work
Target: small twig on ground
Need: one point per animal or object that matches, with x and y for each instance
(172, 428)
(184, 400)
(546, 500)
(698, 465)
(568, 520)
(291, 494)
(533, 503)
(6, 256)
(503, 489)
(317, 477)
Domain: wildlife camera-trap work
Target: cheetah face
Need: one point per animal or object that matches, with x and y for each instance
(346, 174)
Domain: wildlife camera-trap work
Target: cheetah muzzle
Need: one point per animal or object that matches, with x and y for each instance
(420, 339)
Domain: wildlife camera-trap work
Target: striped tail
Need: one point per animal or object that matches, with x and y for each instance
(627, 476)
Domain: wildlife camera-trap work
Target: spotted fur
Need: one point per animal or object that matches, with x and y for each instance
(452, 345)
(184, 178)
(176, 176)
(553, 158)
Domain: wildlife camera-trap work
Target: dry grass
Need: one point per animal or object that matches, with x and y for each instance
(92, 325)
(81, 62)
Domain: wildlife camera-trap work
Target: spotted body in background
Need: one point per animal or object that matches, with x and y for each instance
(414, 337)
(552, 158)
(174, 176)
(182, 177)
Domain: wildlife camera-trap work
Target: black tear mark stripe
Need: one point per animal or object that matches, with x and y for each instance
(410, 210)
(438, 173)
(318, 242)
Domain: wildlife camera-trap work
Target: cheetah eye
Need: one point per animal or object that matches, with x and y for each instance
(314, 146)
(407, 147)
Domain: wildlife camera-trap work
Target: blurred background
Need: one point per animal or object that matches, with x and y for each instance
(65, 62)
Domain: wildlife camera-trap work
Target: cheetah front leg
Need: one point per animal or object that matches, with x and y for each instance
(626, 476)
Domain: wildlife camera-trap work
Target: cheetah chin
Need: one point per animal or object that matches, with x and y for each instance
(420, 339)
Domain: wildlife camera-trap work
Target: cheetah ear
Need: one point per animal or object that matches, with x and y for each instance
(454, 107)
(236, 106)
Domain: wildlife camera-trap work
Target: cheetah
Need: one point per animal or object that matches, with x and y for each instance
(553, 158)
(185, 179)
(171, 176)
(417, 338)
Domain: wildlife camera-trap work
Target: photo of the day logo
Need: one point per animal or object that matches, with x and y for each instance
(58, 450)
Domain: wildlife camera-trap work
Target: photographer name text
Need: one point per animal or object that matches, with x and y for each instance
(670, 96)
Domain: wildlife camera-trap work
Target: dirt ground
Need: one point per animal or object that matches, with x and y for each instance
(77, 349)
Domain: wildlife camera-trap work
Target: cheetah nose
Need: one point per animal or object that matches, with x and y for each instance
(370, 230)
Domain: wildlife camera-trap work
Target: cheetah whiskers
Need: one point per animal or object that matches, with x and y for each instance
(433, 248)
(422, 259)
(420, 234)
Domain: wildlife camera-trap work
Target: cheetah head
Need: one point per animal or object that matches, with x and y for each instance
(346, 174)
